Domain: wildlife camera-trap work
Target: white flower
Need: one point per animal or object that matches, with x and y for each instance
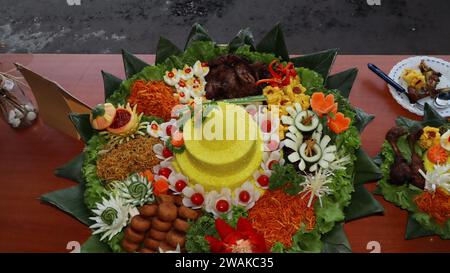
(218, 203)
(262, 178)
(154, 129)
(172, 77)
(166, 164)
(162, 152)
(246, 195)
(177, 182)
(339, 164)
(186, 73)
(200, 69)
(197, 86)
(111, 216)
(196, 193)
(271, 158)
(177, 250)
(184, 95)
(314, 151)
(315, 185)
(252, 110)
(167, 128)
(439, 177)
(136, 190)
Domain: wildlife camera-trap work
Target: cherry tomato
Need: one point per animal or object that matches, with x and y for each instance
(165, 172)
(222, 205)
(197, 199)
(244, 196)
(169, 130)
(180, 185)
(271, 164)
(266, 126)
(166, 152)
(263, 180)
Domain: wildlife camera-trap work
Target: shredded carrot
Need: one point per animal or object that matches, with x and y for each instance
(436, 204)
(153, 98)
(278, 216)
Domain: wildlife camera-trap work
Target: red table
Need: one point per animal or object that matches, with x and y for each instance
(28, 157)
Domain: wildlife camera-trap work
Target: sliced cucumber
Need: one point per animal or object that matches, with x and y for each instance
(310, 159)
(298, 121)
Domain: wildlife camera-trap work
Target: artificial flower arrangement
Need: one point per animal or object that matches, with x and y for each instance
(147, 184)
(415, 160)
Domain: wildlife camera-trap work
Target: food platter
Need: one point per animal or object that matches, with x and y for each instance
(415, 163)
(222, 148)
(436, 64)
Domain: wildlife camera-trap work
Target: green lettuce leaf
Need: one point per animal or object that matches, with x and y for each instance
(245, 51)
(94, 186)
(309, 78)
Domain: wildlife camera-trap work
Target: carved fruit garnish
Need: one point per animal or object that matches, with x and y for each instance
(125, 122)
(102, 116)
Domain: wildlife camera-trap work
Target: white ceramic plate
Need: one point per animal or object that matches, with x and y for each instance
(413, 63)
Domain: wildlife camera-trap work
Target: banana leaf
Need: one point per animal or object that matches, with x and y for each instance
(111, 83)
(415, 230)
(274, 43)
(132, 64)
(82, 125)
(336, 240)
(198, 33)
(243, 37)
(71, 201)
(365, 169)
(72, 169)
(362, 119)
(432, 118)
(343, 81)
(320, 62)
(363, 204)
(94, 245)
(165, 49)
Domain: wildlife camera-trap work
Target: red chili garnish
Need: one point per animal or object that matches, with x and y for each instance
(170, 74)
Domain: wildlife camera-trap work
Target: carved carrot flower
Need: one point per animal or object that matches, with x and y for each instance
(339, 123)
(322, 104)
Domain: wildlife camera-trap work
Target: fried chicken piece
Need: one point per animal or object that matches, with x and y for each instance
(400, 172)
(416, 162)
(231, 76)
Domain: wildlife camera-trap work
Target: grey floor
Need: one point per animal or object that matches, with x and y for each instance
(106, 26)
